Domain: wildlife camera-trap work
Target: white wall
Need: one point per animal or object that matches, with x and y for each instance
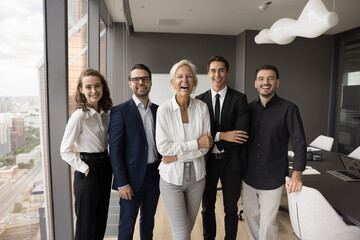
(161, 89)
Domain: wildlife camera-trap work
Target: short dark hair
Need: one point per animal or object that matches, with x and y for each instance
(218, 59)
(139, 66)
(267, 67)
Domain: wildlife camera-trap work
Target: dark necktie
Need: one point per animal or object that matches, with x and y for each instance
(217, 111)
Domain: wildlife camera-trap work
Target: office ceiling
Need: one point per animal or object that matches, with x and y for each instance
(224, 17)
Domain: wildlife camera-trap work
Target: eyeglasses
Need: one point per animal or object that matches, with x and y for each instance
(136, 80)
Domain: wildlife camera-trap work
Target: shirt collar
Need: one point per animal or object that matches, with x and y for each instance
(222, 93)
(272, 101)
(138, 103)
(92, 111)
(176, 106)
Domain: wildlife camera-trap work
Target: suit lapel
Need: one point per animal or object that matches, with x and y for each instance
(208, 101)
(226, 104)
(153, 111)
(136, 115)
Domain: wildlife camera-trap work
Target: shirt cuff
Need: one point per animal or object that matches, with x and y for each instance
(217, 137)
(123, 186)
(193, 145)
(83, 167)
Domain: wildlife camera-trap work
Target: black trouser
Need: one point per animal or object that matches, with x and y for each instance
(231, 187)
(92, 194)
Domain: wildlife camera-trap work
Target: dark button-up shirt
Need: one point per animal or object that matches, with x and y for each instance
(271, 128)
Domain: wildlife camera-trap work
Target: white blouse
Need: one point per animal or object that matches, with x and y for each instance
(173, 140)
(88, 132)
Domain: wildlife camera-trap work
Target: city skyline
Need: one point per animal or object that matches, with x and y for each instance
(21, 47)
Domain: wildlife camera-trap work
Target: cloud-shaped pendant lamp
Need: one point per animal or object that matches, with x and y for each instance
(314, 20)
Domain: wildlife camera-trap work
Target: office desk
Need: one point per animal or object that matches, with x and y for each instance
(343, 196)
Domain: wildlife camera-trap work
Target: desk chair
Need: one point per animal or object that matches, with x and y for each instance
(313, 218)
(323, 142)
(355, 153)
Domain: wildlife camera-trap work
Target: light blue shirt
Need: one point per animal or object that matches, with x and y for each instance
(148, 123)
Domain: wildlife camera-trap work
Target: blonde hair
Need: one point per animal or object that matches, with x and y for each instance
(176, 66)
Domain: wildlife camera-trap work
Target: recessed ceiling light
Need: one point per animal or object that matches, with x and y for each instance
(170, 22)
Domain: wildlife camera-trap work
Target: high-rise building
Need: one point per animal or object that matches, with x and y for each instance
(5, 104)
(77, 47)
(5, 143)
(17, 133)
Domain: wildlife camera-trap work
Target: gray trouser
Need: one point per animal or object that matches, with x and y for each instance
(260, 210)
(182, 202)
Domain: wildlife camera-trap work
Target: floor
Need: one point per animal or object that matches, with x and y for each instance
(162, 230)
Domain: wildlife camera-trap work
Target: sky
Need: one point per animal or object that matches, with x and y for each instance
(21, 46)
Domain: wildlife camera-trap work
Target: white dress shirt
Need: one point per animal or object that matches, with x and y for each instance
(148, 123)
(173, 140)
(88, 132)
(222, 94)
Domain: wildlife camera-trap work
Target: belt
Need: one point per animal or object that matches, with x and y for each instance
(153, 165)
(219, 155)
(94, 156)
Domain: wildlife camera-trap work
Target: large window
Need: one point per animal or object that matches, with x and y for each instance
(78, 44)
(24, 182)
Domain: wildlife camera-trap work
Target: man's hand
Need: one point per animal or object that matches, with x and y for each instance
(87, 172)
(205, 141)
(126, 192)
(236, 136)
(295, 183)
(169, 159)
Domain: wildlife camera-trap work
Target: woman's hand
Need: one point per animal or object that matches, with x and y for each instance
(169, 159)
(205, 141)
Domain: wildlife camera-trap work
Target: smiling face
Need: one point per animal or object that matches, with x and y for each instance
(92, 89)
(183, 82)
(140, 89)
(218, 74)
(266, 83)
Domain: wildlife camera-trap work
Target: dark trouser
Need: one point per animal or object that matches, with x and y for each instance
(146, 200)
(92, 194)
(231, 187)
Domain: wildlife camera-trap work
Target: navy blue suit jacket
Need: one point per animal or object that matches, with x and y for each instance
(128, 145)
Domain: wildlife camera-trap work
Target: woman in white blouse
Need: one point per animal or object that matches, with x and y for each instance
(87, 130)
(183, 137)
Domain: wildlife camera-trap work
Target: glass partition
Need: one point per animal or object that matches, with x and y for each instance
(349, 119)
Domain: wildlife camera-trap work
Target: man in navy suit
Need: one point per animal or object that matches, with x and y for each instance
(227, 159)
(134, 157)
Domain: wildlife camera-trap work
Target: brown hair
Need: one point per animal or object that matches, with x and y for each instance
(218, 59)
(105, 102)
(139, 66)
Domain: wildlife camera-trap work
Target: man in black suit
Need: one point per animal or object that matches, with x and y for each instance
(227, 159)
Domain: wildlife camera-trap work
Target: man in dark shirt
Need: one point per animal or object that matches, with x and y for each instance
(273, 122)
